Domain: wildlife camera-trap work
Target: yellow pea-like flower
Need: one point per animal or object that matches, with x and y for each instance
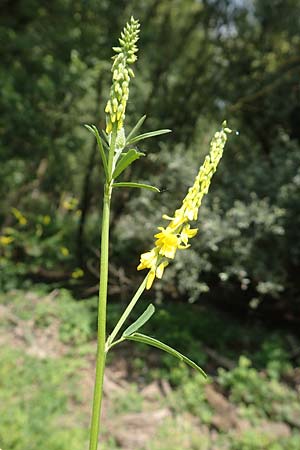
(167, 242)
(160, 269)
(150, 279)
(148, 260)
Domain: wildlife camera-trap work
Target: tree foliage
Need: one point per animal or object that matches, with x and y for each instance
(200, 61)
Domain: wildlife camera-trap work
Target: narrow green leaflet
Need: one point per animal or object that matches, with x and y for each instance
(105, 136)
(138, 337)
(94, 130)
(140, 321)
(88, 127)
(126, 160)
(140, 137)
(136, 185)
(104, 140)
(136, 128)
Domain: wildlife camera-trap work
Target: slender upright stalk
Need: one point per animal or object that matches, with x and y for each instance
(100, 361)
(101, 337)
(127, 311)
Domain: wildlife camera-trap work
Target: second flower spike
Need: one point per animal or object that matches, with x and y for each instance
(177, 234)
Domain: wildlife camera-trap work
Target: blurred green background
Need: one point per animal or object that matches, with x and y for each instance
(231, 301)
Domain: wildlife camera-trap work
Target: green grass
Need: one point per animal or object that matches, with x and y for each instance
(34, 403)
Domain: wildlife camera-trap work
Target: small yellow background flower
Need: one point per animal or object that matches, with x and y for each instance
(6, 240)
(19, 216)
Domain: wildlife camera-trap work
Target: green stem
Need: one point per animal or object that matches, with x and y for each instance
(101, 337)
(101, 355)
(118, 341)
(127, 311)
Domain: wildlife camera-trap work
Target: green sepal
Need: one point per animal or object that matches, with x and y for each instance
(136, 185)
(144, 339)
(140, 321)
(95, 132)
(135, 128)
(140, 137)
(126, 160)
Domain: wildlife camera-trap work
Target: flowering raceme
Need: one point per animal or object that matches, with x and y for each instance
(119, 92)
(177, 234)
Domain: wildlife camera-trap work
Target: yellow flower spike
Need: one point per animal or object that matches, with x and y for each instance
(125, 55)
(177, 234)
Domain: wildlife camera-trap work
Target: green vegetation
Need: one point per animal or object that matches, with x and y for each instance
(237, 288)
(237, 60)
(45, 380)
(34, 399)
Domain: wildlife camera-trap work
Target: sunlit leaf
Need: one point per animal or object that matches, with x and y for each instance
(136, 128)
(126, 160)
(104, 139)
(144, 339)
(140, 321)
(140, 137)
(95, 132)
(136, 185)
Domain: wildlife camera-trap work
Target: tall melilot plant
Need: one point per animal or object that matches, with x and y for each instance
(117, 153)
